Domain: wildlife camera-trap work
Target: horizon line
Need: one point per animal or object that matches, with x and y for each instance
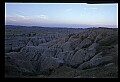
(64, 26)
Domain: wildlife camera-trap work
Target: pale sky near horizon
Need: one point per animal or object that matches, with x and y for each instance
(61, 14)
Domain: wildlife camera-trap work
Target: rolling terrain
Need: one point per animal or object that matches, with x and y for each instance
(41, 52)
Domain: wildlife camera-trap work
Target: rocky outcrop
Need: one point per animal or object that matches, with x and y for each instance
(16, 49)
(77, 58)
(34, 41)
(30, 43)
(32, 52)
(90, 48)
(50, 63)
(66, 46)
(8, 49)
(17, 64)
(95, 61)
(85, 43)
(49, 52)
(61, 55)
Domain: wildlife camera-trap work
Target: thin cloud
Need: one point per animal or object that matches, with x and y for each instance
(22, 17)
(12, 20)
(90, 8)
(41, 16)
(94, 8)
(19, 17)
(68, 10)
(21, 12)
(16, 17)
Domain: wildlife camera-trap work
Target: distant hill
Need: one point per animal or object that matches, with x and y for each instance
(19, 26)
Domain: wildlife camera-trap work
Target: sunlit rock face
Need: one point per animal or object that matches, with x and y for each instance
(44, 53)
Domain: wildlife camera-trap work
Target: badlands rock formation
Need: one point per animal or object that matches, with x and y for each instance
(41, 54)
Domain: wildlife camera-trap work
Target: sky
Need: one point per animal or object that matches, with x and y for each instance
(61, 14)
